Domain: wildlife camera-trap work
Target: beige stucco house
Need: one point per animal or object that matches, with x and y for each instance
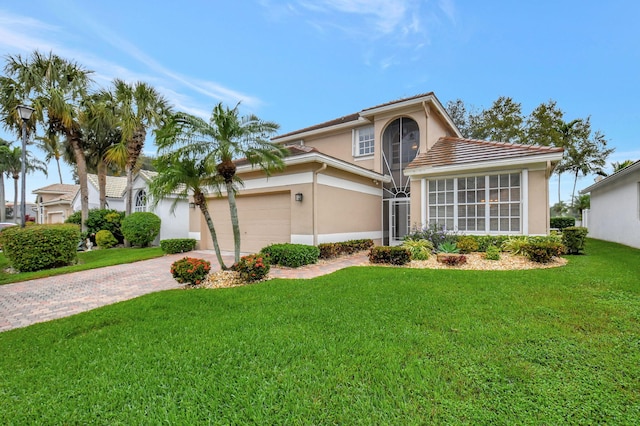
(54, 203)
(379, 173)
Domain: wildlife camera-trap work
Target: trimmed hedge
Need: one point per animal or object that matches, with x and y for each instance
(177, 245)
(542, 251)
(562, 222)
(331, 250)
(105, 239)
(574, 238)
(38, 247)
(100, 219)
(397, 255)
(141, 228)
(291, 255)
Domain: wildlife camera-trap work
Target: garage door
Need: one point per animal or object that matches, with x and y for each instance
(264, 220)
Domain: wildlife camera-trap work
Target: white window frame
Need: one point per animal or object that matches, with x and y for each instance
(489, 190)
(139, 207)
(365, 147)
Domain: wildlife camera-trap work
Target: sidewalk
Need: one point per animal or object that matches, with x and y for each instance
(45, 299)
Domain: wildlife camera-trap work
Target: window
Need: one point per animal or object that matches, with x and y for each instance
(364, 141)
(480, 204)
(141, 201)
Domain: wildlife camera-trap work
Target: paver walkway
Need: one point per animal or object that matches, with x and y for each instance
(45, 299)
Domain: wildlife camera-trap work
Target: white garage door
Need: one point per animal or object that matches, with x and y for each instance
(264, 220)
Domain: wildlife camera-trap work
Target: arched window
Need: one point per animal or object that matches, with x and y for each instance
(141, 201)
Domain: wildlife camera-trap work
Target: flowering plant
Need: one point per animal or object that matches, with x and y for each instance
(253, 267)
(190, 270)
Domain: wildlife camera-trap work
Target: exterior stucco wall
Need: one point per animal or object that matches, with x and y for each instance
(615, 211)
(538, 203)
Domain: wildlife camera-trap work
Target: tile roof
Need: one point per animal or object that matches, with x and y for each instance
(449, 151)
(115, 187)
(58, 188)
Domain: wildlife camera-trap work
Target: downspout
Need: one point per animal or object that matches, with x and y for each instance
(315, 202)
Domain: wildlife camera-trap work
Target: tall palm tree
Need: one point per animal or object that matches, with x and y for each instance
(139, 107)
(53, 150)
(181, 174)
(55, 87)
(617, 166)
(14, 169)
(5, 153)
(221, 140)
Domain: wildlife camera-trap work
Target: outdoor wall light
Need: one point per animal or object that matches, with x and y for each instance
(299, 196)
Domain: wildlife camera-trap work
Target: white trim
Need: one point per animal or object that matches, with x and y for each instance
(424, 194)
(280, 180)
(609, 179)
(364, 157)
(524, 200)
(300, 136)
(347, 236)
(195, 235)
(487, 166)
(348, 185)
(306, 239)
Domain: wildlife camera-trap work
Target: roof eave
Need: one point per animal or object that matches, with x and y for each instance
(489, 164)
(610, 179)
(300, 136)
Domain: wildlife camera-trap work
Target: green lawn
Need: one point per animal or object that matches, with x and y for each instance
(367, 345)
(86, 260)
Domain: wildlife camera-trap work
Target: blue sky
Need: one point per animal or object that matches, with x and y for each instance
(302, 62)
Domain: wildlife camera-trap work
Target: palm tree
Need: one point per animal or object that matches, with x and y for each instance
(568, 134)
(221, 140)
(55, 87)
(617, 166)
(138, 108)
(14, 168)
(5, 152)
(53, 150)
(181, 174)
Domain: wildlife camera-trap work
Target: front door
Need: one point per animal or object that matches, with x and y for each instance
(398, 220)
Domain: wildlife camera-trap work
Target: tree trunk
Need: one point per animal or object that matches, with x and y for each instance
(81, 164)
(3, 204)
(15, 199)
(573, 193)
(205, 211)
(233, 210)
(59, 170)
(559, 200)
(102, 183)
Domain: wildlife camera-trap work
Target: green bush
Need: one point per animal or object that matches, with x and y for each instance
(141, 228)
(562, 222)
(190, 270)
(397, 255)
(467, 244)
(574, 238)
(486, 241)
(448, 247)
(177, 245)
(435, 233)
(101, 219)
(515, 245)
(492, 253)
(419, 249)
(253, 267)
(543, 251)
(105, 239)
(38, 247)
(331, 250)
(291, 255)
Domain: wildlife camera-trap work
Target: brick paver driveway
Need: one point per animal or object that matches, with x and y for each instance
(44, 299)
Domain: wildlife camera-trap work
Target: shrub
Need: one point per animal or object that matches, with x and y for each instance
(253, 267)
(141, 228)
(562, 222)
(452, 259)
(390, 255)
(542, 251)
(574, 238)
(331, 250)
(100, 219)
(291, 255)
(467, 244)
(435, 233)
(448, 247)
(492, 253)
(486, 241)
(177, 245)
(190, 270)
(419, 249)
(105, 239)
(515, 245)
(38, 247)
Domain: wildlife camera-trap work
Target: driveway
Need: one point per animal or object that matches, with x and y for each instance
(45, 299)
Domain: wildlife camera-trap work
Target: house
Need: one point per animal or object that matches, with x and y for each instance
(382, 171)
(56, 202)
(615, 207)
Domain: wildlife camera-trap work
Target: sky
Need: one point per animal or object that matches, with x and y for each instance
(303, 62)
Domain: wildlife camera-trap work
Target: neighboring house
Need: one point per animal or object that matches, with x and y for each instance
(54, 203)
(173, 225)
(379, 173)
(615, 207)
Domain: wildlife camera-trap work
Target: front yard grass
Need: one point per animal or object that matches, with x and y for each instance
(366, 345)
(86, 260)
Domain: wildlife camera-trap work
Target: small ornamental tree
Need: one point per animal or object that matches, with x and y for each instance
(141, 228)
(190, 270)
